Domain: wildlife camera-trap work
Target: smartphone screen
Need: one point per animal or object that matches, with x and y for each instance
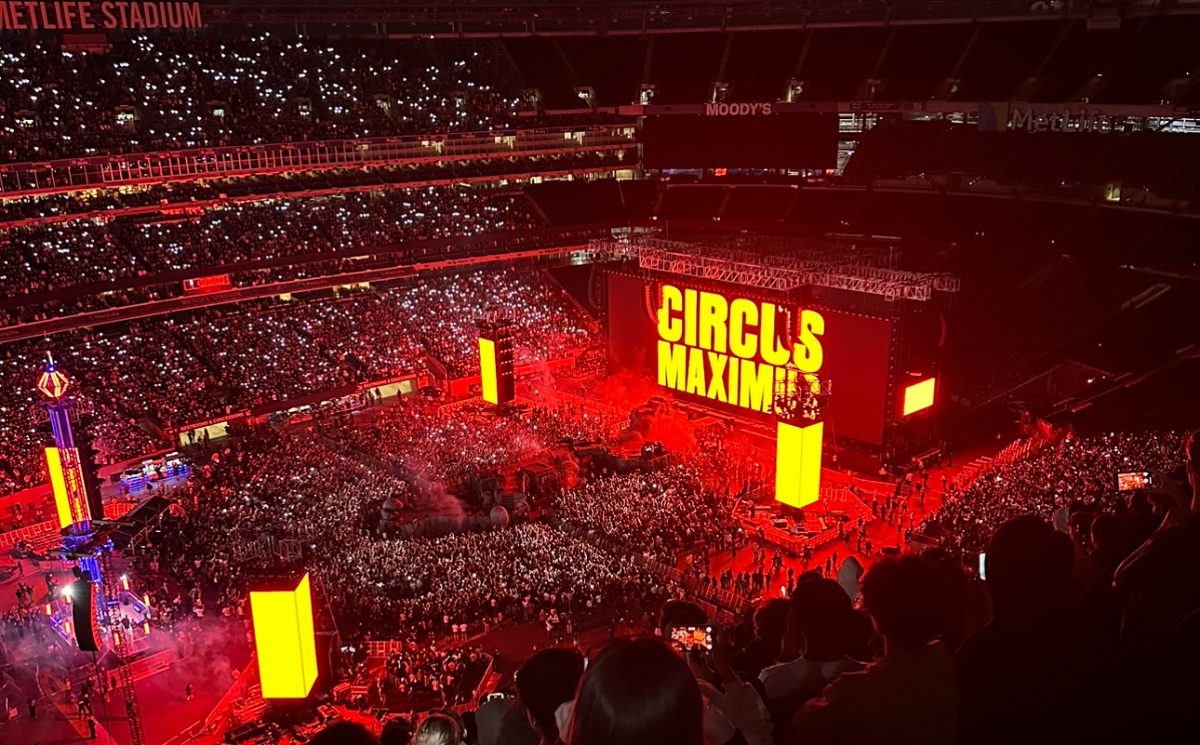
(982, 566)
(692, 637)
(1132, 481)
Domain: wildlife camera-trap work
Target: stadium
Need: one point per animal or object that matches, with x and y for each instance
(479, 373)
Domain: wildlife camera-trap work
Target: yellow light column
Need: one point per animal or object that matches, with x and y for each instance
(487, 371)
(58, 485)
(284, 640)
(798, 463)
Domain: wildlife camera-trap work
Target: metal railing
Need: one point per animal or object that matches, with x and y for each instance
(564, 246)
(176, 166)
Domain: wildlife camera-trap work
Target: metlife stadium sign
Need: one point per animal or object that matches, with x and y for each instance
(45, 15)
(1064, 119)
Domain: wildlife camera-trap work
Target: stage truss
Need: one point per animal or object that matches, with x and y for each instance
(834, 265)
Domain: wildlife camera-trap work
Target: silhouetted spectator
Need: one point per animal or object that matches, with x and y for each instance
(545, 682)
(1020, 673)
(770, 621)
(907, 696)
(825, 630)
(1159, 584)
(637, 693)
(344, 733)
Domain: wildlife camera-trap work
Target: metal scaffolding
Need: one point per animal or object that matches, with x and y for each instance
(834, 265)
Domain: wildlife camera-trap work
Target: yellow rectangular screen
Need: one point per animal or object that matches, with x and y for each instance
(487, 371)
(284, 640)
(58, 484)
(798, 463)
(919, 396)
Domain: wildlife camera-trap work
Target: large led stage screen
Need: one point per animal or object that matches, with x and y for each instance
(807, 140)
(725, 349)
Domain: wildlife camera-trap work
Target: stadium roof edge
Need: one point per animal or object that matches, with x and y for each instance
(408, 19)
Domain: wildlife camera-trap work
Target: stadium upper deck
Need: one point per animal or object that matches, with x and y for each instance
(63, 97)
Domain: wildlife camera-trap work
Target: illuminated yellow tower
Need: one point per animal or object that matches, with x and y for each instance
(799, 432)
(69, 473)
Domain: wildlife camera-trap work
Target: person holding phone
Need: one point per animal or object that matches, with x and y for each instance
(732, 707)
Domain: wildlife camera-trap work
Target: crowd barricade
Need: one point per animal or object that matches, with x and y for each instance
(1019, 449)
(1014, 451)
(34, 535)
(117, 510)
(145, 667)
(384, 648)
(45, 534)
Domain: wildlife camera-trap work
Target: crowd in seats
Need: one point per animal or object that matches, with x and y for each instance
(149, 92)
(43, 258)
(182, 197)
(189, 197)
(71, 205)
(1077, 475)
(182, 369)
(1021, 270)
(549, 330)
(173, 91)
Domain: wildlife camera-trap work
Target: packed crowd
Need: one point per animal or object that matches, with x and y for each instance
(47, 257)
(172, 371)
(550, 328)
(286, 485)
(427, 585)
(1088, 586)
(422, 675)
(661, 513)
(173, 91)
(436, 445)
(274, 486)
(1076, 474)
(565, 421)
(1072, 637)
